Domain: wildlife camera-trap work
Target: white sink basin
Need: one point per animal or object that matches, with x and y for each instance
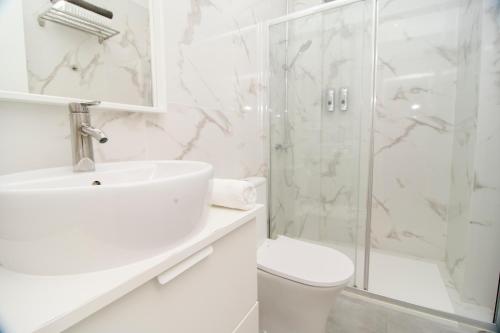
(55, 221)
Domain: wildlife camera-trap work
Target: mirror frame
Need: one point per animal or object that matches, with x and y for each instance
(158, 76)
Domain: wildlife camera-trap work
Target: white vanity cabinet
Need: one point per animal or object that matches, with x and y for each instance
(209, 294)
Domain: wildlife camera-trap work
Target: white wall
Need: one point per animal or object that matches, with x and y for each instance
(482, 259)
(315, 180)
(436, 190)
(213, 115)
(12, 57)
(62, 61)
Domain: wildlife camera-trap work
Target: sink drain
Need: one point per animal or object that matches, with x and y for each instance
(96, 182)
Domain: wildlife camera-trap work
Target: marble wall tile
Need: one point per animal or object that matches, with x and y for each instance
(304, 101)
(213, 81)
(426, 119)
(121, 146)
(413, 126)
(280, 172)
(315, 178)
(66, 62)
(466, 110)
(33, 137)
(483, 262)
(215, 50)
(429, 141)
(346, 55)
(297, 5)
(296, 122)
(213, 90)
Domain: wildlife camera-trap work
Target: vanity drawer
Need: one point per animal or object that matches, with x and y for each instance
(213, 296)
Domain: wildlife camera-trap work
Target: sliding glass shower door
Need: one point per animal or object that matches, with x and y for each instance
(408, 187)
(320, 67)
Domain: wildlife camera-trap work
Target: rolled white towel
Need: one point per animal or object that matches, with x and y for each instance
(237, 194)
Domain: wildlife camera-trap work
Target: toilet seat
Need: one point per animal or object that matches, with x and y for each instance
(303, 262)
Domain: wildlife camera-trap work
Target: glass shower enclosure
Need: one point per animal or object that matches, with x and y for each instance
(320, 72)
(382, 141)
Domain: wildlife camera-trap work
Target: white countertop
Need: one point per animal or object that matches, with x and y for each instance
(30, 303)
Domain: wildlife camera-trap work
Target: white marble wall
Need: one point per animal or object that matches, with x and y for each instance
(434, 131)
(437, 83)
(297, 5)
(482, 260)
(14, 75)
(66, 62)
(214, 78)
(213, 91)
(280, 140)
(464, 135)
(413, 125)
(315, 154)
(297, 119)
(347, 64)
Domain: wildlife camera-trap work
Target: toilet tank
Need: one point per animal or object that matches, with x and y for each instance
(262, 225)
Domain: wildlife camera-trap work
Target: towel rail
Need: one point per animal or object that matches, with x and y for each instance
(57, 14)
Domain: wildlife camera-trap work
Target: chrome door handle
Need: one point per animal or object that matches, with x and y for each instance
(330, 100)
(343, 99)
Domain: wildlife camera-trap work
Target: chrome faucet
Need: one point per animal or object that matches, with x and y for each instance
(81, 136)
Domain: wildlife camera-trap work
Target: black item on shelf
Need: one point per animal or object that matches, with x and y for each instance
(88, 6)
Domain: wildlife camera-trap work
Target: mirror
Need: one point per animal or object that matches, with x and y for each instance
(61, 48)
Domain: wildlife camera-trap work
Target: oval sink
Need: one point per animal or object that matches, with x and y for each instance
(55, 221)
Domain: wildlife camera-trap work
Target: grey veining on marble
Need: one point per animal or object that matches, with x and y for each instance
(434, 90)
(426, 182)
(413, 126)
(66, 62)
(433, 193)
(215, 112)
(482, 264)
(466, 114)
(214, 86)
(315, 153)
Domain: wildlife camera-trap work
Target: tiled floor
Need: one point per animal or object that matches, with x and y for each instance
(422, 282)
(355, 314)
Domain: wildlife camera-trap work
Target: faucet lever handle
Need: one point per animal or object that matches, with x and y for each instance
(82, 107)
(91, 103)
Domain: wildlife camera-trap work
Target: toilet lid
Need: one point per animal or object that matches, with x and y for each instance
(303, 262)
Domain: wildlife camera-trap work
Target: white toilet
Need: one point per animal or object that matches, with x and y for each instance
(298, 282)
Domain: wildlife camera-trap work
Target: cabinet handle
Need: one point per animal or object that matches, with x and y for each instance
(183, 266)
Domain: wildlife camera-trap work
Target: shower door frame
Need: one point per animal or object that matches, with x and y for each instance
(264, 101)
